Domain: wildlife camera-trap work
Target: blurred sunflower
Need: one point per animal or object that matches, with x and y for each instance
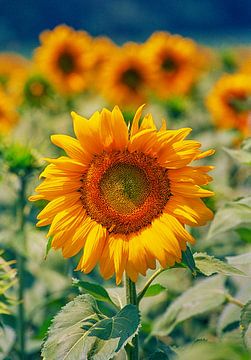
(124, 197)
(64, 58)
(102, 51)
(230, 102)
(11, 66)
(176, 63)
(8, 114)
(127, 76)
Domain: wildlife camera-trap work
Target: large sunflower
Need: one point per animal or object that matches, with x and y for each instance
(127, 76)
(123, 197)
(176, 63)
(64, 58)
(230, 102)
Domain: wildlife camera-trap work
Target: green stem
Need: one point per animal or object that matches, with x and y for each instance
(234, 301)
(148, 283)
(132, 350)
(20, 269)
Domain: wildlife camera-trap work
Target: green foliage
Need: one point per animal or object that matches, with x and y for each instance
(154, 289)
(242, 155)
(233, 215)
(246, 323)
(7, 280)
(81, 331)
(209, 265)
(97, 291)
(204, 296)
(188, 260)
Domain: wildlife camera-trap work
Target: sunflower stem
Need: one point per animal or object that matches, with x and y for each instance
(132, 350)
(21, 268)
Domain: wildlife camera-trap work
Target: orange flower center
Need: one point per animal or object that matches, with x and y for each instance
(124, 191)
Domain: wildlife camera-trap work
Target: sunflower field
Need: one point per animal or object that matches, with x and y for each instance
(125, 199)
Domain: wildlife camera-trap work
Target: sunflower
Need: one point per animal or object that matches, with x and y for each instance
(176, 63)
(8, 114)
(11, 67)
(123, 197)
(102, 51)
(64, 58)
(230, 102)
(127, 76)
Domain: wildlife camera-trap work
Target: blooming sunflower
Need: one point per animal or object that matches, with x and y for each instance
(8, 114)
(230, 102)
(11, 67)
(176, 63)
(123, 197)
(64, 58)
(127, 76)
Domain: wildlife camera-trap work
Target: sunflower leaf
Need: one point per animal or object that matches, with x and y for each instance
(246, 324)
(188, 260)
(154, 290)
(209, 265)
(96, 290)
(232, 216)
(242, 155)
(48, 246)
(81, 331)
(122, 327)
(204, 296)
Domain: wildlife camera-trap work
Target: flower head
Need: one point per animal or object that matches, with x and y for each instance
(64, 58)
(121, 196)
(127, 76)
(230, 102)
(8, 113)
(176, 63)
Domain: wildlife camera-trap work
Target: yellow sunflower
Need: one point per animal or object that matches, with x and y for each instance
(230, 102)
(123, 197)
(8, 114)
(64, 58)
(11, 67)
(102, 51)
(176, 63)
(127, 76)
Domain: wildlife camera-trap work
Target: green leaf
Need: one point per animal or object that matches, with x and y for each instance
(96, 290)
(188, 260)
(154, 289)
(158, 355)
(48, 246)
(246, 324)
(245, 234)
(123, 326)
(206, 295)
(209, 265)
(242, 155)
(233, 215)
(78, 331)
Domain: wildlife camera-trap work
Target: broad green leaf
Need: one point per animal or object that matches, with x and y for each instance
(212, 351)
(241, 261)
(67, 340)
(246, 323)
(81, 331)
(96, 290)
(242, 155)
(206, 295)
(209, 265)
(233, 215)
(122, 327)
(187, 258)
(245, 234)
(158, 355)
(154, 289)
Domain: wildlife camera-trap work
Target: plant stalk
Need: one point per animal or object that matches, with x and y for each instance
(148, 283)
(21, 269)
(132, 350)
